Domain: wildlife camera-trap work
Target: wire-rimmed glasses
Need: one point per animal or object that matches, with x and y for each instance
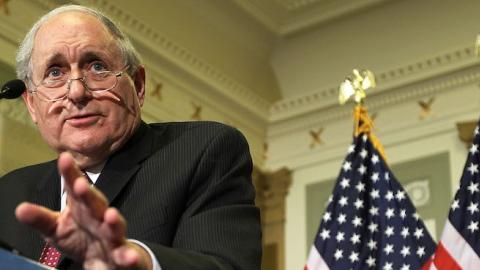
(99, 81)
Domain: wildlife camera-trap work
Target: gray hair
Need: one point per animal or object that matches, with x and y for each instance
(130, 56)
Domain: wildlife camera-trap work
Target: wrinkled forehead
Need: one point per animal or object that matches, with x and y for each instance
(71, 34)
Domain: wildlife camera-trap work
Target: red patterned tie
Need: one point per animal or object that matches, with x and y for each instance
(50, 256)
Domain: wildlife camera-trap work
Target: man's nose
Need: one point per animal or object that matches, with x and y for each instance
(77, 90)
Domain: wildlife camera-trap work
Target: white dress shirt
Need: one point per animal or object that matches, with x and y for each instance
(93, 174)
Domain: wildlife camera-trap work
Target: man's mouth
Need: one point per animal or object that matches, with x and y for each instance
(82, 120)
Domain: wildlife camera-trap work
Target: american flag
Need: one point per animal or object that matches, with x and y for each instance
(459, 247)
(370, 222)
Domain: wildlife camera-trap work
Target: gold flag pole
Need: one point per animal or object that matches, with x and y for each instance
(355, 88)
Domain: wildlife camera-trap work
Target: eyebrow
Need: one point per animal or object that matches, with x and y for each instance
(91, 55)
(55, 58)
(84, 58)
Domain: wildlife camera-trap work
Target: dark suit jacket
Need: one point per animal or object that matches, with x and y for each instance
(184, 188)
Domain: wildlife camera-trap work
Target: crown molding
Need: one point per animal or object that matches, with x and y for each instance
(404, 133)
(268, 18)
(387, 81)
(185, 59)
(285, 17)
(397, 94)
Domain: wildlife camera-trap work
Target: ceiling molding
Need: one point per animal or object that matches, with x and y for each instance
(185, 59)
(386, 81)
(388, 97)
(286, 17)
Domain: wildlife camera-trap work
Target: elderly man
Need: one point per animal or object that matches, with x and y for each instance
(161, 196)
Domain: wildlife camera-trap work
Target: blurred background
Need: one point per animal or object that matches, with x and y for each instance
(271, 68)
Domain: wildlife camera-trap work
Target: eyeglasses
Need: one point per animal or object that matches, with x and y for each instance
(53, 89)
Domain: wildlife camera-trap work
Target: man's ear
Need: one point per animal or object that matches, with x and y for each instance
(139, 82)
(28, 99)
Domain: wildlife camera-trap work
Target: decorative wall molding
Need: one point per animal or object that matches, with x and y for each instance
(286, 17)
(272, 189)
(185, 59)
(320, 108)
(386, 80)
(419, 192)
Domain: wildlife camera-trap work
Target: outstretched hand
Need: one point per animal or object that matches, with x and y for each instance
(87, 230)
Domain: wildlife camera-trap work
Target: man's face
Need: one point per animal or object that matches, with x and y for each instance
(89, 125)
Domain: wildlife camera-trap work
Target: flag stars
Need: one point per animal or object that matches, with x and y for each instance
(375, 194)
(342, 218)
(343, 201)
(373, 227)
(330, 198)
(357, 221)
(338, 254)
(421, 251)
(340, 236)
(388, 266)
(405, 232)
(473, 187)
(362, 169)
(389, 196)
(390, 213)
(418, 233)
(355, 239)
(360, 187)
(358, 203)
(389, 231)
(371, 224)
(327, 216)
(351, 148)
(347, 166)
(375, 177)
(455, 204)
(373, 211)
(405, 251)
(388, 249)
(473, 168)
(400, 195)
(364, 153)
(473, 227)
(375, 159)
(473, 149)
(325, 234)
(345, 183)
(473, 207)
(370, 261)
(372, 244)
(353, 256)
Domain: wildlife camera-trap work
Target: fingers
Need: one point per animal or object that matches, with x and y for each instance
(80, 195)
(68, 169)
(40, 218)
(126, 256)
(115, 227)
(132, 255)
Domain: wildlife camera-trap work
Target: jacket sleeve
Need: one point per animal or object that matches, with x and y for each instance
(220, 228)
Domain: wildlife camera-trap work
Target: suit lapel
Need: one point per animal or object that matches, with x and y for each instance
(48, 195)
(122, 166)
